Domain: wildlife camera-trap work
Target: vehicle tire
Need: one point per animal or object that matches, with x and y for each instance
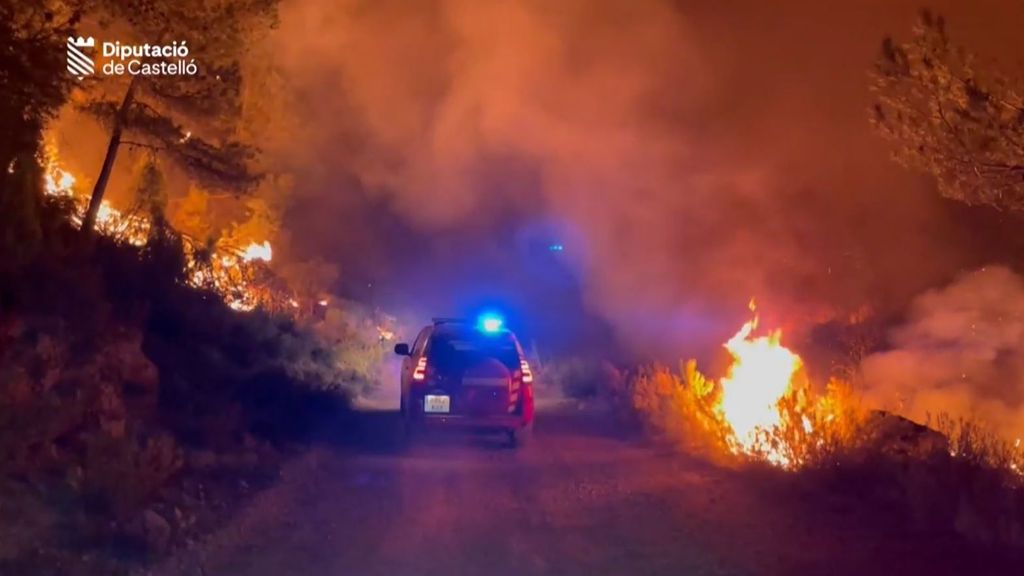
(521, 437)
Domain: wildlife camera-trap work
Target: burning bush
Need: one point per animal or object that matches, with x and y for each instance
(953, 475)
(681, 409)
(980, 446)
(764, 408)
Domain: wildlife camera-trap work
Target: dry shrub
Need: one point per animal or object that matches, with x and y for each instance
(122, 474)
(973, 487)
(583, 378)
(36, 411)
(979, 446)
(680, 410)
(64, 414)
(31, 427)
(817, 429)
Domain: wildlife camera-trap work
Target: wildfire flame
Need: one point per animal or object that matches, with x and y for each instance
(226, 272)
(57, 181)
(760, 376)
(258, 252)
(765, 409)
(60, 183)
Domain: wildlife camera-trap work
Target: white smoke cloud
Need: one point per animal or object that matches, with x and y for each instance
(960, 352)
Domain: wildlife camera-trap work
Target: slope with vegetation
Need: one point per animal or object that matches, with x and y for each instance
(136, 406)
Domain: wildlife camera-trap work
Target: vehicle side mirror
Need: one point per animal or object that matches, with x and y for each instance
(402, 349)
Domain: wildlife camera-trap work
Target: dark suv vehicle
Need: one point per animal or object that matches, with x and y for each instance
(467, 374)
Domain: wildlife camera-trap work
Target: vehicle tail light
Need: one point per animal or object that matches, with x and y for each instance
(419, 374)
(524, 366)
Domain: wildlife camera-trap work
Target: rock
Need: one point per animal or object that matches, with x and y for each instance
(124, 356)
(17, 385)
(76, 477)
(156, 532)
(237, 461)
(202, 460)
(111, 412)
(896, 437)
(913, 468)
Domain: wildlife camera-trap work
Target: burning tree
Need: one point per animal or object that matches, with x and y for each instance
(196, 126)
(155, 110)
(963, 125)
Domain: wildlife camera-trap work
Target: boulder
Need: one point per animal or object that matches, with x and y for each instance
(124, 357)
(898, 438)
(914, 466)
(156, 532)
(110, 411)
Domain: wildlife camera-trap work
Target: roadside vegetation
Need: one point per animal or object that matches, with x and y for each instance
(124, 391)
(949, 476)
(948, 116)
(149, 381)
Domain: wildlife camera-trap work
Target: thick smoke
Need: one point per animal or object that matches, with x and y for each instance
(960, 352)
(688, 156)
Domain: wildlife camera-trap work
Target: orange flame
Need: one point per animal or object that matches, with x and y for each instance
(60, 183)
(258, 252)
(760, 376)
(226, 276)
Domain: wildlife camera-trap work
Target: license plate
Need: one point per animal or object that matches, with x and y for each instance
(437, 404)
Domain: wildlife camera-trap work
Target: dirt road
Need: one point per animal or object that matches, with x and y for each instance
(580, 500)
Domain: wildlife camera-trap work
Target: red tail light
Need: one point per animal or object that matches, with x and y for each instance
(524, 366)
(419, 374)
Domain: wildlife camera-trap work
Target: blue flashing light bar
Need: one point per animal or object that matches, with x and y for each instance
(490, 323)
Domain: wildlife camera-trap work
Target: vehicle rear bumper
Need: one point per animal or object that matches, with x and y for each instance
(495, 422)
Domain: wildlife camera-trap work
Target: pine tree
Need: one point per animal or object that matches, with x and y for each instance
(950, 118)
(190, 120)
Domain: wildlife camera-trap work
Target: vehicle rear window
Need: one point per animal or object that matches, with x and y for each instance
(462, 348)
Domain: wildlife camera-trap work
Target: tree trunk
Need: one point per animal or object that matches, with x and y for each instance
(89, 222)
